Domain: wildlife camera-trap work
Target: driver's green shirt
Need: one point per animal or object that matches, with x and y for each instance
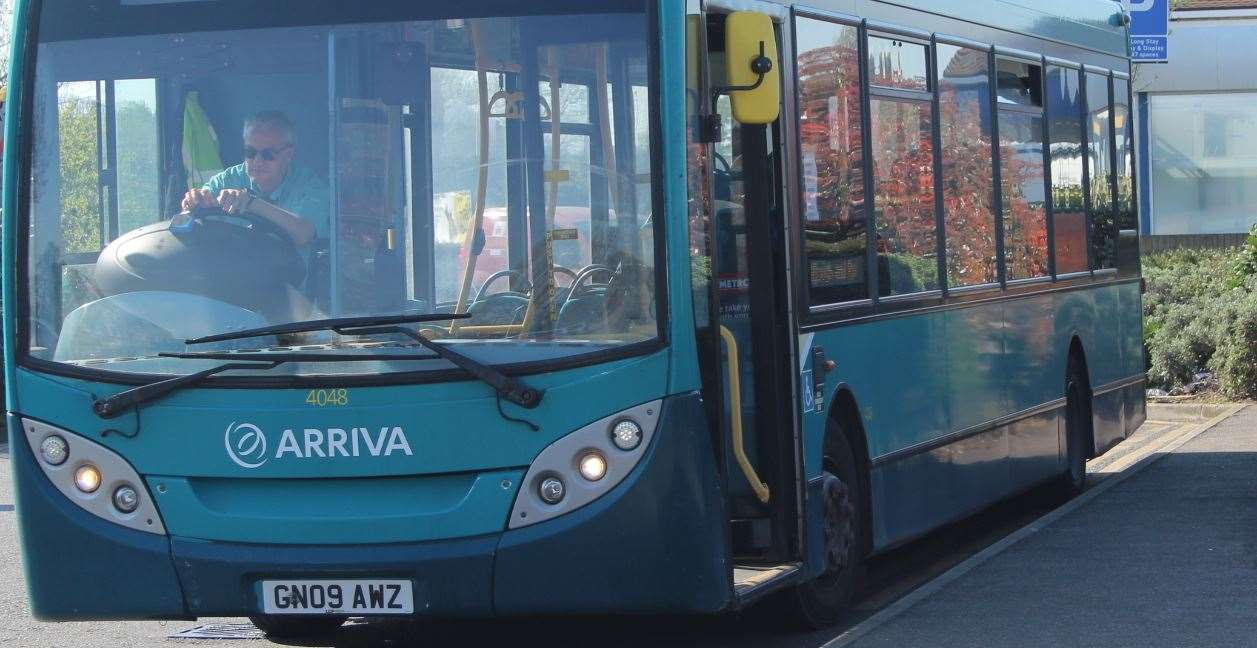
(301, 193)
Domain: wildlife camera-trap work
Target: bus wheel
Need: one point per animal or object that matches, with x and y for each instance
(296, 627)
(823, 601)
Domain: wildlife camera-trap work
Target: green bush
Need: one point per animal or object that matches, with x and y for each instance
(1201, 316)
(1245, 264)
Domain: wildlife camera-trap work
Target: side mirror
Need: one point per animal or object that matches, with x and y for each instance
(751, 57)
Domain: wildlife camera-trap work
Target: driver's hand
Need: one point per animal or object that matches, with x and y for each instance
(197, 198)
(233, 201)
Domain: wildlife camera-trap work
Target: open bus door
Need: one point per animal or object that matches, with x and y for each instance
(747, 350)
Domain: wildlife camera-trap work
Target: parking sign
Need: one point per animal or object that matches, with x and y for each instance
(1149, 30)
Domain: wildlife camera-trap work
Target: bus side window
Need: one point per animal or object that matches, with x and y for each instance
(109, 172)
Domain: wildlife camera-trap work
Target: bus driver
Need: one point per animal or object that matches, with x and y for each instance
(267, 184)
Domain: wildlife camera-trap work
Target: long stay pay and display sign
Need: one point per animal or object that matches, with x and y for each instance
(1149, 30)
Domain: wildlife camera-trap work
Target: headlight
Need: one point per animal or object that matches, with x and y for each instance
(592, 466)
(54, 450)
(552, 490)
(626, 435)
(87, 478)
(98, 480)
(584, 465)
(125, 499)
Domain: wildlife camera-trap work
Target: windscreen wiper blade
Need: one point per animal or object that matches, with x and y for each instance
(506, 387)
(328, 325)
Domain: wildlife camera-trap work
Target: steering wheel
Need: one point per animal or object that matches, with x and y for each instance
(294, 270)
(261, 224)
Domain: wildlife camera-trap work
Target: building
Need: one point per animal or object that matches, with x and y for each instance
(1197, 118)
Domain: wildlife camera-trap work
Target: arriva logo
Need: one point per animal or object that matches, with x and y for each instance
(246, 444)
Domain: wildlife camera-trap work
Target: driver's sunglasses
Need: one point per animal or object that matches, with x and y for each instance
(268, 154)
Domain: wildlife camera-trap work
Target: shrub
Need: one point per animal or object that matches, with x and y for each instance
(1201, 315)
(1245, 264)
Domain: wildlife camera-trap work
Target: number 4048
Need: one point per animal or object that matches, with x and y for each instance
(326, 397)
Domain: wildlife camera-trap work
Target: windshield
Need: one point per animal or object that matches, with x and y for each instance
(194, 183)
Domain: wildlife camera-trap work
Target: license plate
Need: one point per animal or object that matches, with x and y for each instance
(351, 597)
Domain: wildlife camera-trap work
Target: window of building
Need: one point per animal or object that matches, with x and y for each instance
(1192, 192)
(835, 227)
(1069, 215)
(1100, 181)
(968, 181)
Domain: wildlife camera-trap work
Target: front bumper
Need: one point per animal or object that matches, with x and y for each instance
(655, 543)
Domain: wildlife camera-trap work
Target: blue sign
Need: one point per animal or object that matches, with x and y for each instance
(1149, 49)
(1149, 29)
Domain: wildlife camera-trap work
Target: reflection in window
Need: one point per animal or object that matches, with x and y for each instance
(898, 64)
(1069, 217)
(135, 120)
(1126, 217)
(903, 173)
(964, 93)
(1025, 212)
(834, 224)
(1099, 145)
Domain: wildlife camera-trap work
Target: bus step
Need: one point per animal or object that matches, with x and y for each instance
(749, 580)
(751, 536)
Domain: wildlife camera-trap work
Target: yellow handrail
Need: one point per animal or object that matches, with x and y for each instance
(735, 417)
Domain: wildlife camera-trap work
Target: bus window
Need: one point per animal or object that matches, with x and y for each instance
(336, 171)
(903, 199)
(835, 226)
(964, 102)
(895, 63)
(1025, 210)
(1100, 180)
(1069, 216)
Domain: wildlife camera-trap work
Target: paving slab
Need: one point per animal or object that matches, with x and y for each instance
(1165, 557)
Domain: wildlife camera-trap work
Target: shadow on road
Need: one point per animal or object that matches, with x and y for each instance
(890, 576)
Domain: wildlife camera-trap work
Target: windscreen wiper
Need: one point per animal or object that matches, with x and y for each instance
(115, 405)
(506, 387)
(328, 325)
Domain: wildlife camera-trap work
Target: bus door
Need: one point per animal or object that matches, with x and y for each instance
(748, 361)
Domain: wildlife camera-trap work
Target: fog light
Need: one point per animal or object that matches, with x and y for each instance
(552, 490)
(87, 478)
(626, 435)
(54, 450)
(125, 499)
(593, 467)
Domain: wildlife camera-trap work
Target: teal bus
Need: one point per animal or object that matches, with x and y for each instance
(478, 309)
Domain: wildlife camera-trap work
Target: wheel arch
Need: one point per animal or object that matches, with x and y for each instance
(1077, 362)
(844, 421)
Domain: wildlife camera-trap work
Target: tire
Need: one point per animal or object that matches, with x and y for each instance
(1077, 432)
(296, 627)
(825, 600)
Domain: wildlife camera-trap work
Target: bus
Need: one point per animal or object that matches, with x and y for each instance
(773, 288)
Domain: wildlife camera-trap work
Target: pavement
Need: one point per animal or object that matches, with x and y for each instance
(1163, 557)
(1158, 552)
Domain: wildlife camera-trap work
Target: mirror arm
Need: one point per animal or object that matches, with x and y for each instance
(760, 65)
